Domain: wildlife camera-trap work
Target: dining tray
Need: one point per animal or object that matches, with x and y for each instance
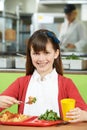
(33, 121)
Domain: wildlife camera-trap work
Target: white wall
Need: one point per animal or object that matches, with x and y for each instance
(27, 6)
(10, 5)
(30, 6)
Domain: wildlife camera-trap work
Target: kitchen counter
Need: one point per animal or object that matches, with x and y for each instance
(79, 54)
(12, 70)
(15, 67)
(23, 71)
(83, 72)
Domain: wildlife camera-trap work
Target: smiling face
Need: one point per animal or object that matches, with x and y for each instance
(43, 53)
(43, 60)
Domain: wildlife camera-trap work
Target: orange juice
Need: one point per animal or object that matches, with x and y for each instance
(67, 104)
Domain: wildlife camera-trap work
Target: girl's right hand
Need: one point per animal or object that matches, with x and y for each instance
(7, 101)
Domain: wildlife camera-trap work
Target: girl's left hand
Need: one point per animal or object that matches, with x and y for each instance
(77, 115)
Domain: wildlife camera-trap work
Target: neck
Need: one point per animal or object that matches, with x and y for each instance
(44, 74)
(71, 20)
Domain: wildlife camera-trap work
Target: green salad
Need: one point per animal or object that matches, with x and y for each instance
(49, 115)
(73, 57)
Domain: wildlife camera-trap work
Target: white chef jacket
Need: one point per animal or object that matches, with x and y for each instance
(46, 93)
(74, 33)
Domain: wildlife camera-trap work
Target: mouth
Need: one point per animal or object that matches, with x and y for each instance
(42, 64)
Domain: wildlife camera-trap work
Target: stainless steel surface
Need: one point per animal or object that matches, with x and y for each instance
(6, 62)
(72, 64)
(75, 53)
(20, 62)
(63, 1)
(18, 54)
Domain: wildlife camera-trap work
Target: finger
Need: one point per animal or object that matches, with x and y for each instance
(74, 120)
(4, 105)
(12, 100)
(9, 100)
(74, 111)
(70, 113)
(73, 116)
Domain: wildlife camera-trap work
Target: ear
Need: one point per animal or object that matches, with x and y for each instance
(56, 53)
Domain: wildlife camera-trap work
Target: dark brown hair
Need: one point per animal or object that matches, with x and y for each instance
(38, 42)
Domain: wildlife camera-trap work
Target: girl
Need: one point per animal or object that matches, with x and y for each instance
(44, 80)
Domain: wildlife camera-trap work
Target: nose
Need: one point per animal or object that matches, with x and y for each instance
(41, 57)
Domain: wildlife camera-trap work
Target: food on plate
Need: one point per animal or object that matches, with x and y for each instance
(12, 117)
(31, 100)
(49, 115)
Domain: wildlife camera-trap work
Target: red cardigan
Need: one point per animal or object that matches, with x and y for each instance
(67, 89)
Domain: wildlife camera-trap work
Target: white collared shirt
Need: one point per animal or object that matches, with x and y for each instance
(46, 93)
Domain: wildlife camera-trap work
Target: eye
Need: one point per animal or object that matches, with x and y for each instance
(35, 53)
(47, 52)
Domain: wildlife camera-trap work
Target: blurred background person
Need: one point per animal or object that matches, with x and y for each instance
(72, 32)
